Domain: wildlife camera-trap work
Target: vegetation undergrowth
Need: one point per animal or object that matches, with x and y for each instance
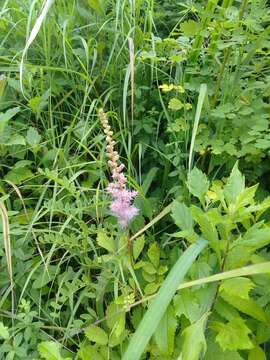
(185, 92)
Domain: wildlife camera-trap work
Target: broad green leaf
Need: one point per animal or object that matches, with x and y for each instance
(45, 277)
(235, 186)
(234, 335)
(105, 241)
(175, 104)
(225, 310)
(194, 344)
(257, 354)
(238, 287)
(190, 27)
(50, 350)
(165, 332)
(214, 352)
(246, 306)
(16, 139)
(182, 216)
(160, 303)
(241, 249)
(6, 116)
(197, 183)
(97, 335)
(4, 334)
(18, 175)
(88, 352)
(187, 304)
(33, 138)
(138, 245)
(154, 254)
(207, 227)
(116, 319)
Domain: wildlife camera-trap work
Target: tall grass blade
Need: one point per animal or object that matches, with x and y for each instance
(203, 90)
(159, 305)
(33, 34)
(7, 246)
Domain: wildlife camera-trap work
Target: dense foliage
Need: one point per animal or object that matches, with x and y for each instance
(186, 89)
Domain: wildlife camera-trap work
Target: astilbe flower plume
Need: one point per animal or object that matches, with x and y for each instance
(121, 205)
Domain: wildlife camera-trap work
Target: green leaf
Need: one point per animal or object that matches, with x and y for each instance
(214, 352)
(175, 104)
(234, 335)
(33, 138)
(238, 287)
(97, 335)
(50, 350)
(45, 276)
(242, 248)
(88, 352)
(186, 304)
(235, 185)
(190, 27)
(154, 254)
(160, 303)
(105, 241)
(6, 116)
(165, 332)
(182, 216)
(116, 319)
(194, 340)
(138, 246)
(207, 227)
(246, 306)
(257, 354)
(197, 183)
(18, 175)
(4, 334)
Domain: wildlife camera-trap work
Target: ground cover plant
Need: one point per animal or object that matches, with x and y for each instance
(134, 195)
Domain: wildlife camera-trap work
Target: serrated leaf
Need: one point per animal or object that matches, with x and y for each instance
(50, 350)
(154, 254)
(234, 186)
(194, 339)
(242, 248)
(97, 335)
(138, 246)
(238, 287)
(4, 334)
(165, 332)
(246, 306)
(105, 241)
(32, 137)
(257, 354)
(234, 335)
(182, 216)
(197, 183)
(18, 175)
(214, 352)
(186, 304)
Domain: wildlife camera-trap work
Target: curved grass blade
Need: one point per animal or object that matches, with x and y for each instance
(260, 268)
(202, 94)
(159, 305)
(45, 8)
